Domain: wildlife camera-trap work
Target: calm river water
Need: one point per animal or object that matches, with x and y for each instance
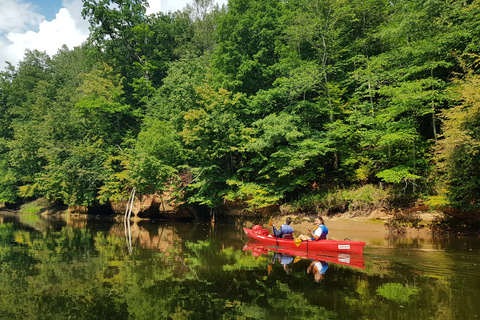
(79, 269)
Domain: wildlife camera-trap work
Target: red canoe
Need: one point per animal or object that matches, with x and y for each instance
(347, 259)
(266, 238)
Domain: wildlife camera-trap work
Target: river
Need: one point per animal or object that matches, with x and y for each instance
(69, 268)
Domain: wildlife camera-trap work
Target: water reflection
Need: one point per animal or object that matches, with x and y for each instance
(128, 234)
(285, 260)
(98, 269)
(353, 260)
(318, 269)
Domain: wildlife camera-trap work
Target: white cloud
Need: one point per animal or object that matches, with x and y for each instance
(173, 5)
(50, 37)
(15, 16)
(166, 5)
(34, 32)
(75, 8)
(154, 6)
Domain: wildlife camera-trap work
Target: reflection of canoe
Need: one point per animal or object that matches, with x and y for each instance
(263, 236)
(348, 259)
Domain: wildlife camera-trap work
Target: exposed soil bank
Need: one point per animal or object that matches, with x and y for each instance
(363, 227)
(367, 228)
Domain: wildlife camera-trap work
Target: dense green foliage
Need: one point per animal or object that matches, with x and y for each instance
(189, 271)
(263, 102)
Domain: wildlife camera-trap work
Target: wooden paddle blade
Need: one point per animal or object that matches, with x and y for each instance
(269, 269)
(297, 241)
(297, 258)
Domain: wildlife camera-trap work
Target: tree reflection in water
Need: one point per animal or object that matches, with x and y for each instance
(191, 271)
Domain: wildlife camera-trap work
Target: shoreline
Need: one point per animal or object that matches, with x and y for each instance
(341, 226)
(357, 228)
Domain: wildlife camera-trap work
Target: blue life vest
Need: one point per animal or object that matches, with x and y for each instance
(285, 259)
(320, 266)
(284, 229)
(323, 232)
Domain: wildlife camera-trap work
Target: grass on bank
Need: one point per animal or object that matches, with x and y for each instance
(359, 200)
(33, 207)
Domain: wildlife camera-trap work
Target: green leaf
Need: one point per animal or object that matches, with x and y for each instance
(397, 174)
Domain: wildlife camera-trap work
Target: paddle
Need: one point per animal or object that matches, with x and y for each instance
(297, 241)
(269, 267)
(270, 225)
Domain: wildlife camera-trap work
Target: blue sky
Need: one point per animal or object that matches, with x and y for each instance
(48, 8)
(46, 25)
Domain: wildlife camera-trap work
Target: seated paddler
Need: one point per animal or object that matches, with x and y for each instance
(285, 231)
(319, 233)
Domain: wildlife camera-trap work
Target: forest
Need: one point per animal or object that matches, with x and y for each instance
(314, 103)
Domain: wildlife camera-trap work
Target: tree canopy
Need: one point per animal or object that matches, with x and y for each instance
(258, 102)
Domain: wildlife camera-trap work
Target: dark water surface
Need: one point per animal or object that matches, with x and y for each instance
(79, 269)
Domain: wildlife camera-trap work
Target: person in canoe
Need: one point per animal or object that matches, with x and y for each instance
(285, 231)
(319, 233)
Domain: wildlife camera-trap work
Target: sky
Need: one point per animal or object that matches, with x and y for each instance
(46, 25)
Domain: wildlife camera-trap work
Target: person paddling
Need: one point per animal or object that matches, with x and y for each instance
(319, 233)
(285, 231)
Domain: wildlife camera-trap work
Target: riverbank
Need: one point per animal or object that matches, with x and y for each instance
(377, 224)
(365, 228)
